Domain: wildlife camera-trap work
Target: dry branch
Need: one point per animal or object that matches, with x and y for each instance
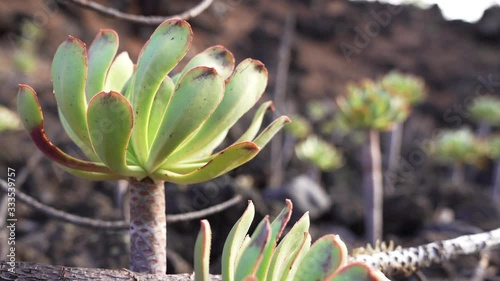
(152, 20)
(112, 225)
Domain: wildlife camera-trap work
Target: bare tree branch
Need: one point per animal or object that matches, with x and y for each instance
(152, 20)
(34, 271)
(112, 225)
(408, 260)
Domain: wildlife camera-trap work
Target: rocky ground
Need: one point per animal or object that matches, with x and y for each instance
(334, 43)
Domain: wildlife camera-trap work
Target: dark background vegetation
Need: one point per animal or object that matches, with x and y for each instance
(453, 57)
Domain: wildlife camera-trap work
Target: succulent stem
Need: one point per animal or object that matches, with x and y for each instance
(395, 147)
(458, 173)
(148, 227)
(372, 186)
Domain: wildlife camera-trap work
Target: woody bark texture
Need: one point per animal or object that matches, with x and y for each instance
(372, 187)
(148, 227)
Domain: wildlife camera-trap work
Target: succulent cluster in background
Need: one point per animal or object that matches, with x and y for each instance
(319, 153)
(8, 120)
(486, 109)
(452, 146)
(409, 87)
(369, 106)
(260, 256)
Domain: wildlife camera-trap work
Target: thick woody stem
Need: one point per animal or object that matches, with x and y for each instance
(372, 186)
(148, 227)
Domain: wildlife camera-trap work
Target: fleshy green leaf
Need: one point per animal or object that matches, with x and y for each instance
(29, 108)
(252, 255)
(195, 99)
(166, 47)
(244, 245)
(110, 122)
(159, 107)
(234, 241)
(31, 116)
(69, 72)
(92, 175)
(324, 258)
(355, 271)
(243, 89)
(119, 73)
(293, 261)
(254, 127)
(223, 162)
(270, 131)
(217, 57)
(202, 253)
(87, 150)
(290, 243)
(101, 54)
(277, 227)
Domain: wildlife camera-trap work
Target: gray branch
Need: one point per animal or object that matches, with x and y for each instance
(152, 20)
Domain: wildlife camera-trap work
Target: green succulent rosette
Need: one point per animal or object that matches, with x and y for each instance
(319, 153)
(409, 87)
(458, 146)
(138, 121)
(369, 106)
(300, 128)
(486, 109)
(265, 256)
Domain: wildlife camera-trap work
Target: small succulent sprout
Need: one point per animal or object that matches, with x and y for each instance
(411, 88)
(319, 153)
(139, 122)
(260, 257)
(300, 128)
(9, 121)
(369, 106)
(485, 109)
(458, 146)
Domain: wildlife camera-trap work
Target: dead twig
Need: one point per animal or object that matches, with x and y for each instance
(151, 20)
(112, 225)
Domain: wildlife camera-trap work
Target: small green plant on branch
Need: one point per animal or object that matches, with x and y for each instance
(484, 110)
(141, 124)
(412, 90)
(370, 108)
(458, 148)
(260, 256)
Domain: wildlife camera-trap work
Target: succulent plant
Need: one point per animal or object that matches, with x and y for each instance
(143, 123)
(140, 123)
(319, 153)
(260, 256)
(409, 87)
(485, 109)
(369, 106)
(300, 128)
(458, 146)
